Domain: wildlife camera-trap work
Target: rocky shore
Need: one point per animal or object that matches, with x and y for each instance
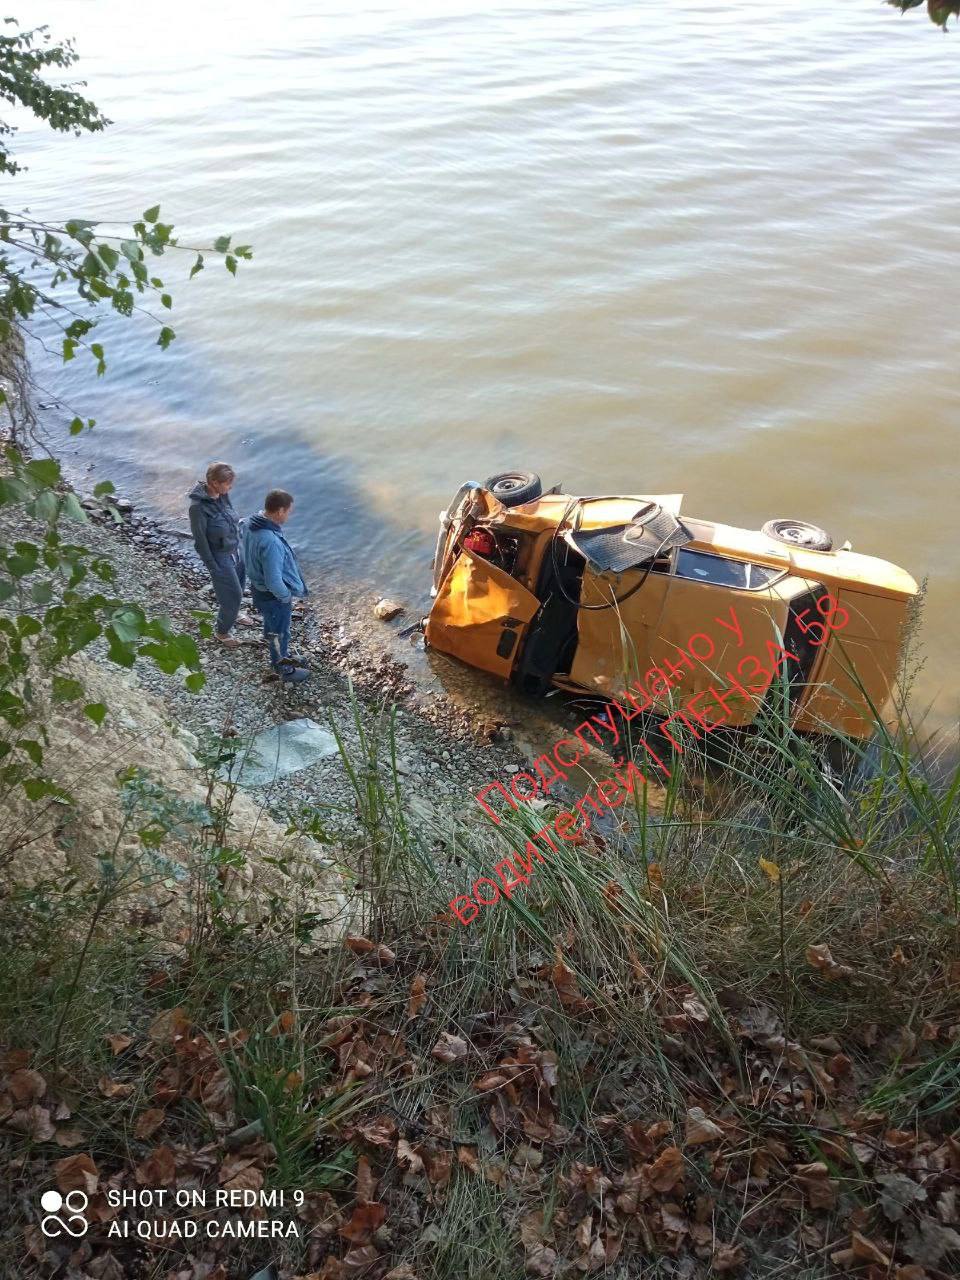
(445, 750)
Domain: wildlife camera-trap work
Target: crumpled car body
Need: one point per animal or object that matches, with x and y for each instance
(603, 594)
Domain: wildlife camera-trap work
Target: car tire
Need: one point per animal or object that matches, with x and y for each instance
(799, 533)
(513, 488)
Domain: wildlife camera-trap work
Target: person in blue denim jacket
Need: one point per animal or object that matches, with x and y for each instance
(275, 578)
(216, 535)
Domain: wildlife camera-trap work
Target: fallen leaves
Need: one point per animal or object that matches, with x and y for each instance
(418, 996)
(148, 1122)
(76, 1173)
(819, 957)
(449, 1048)
(373, 952)
(700, 1129)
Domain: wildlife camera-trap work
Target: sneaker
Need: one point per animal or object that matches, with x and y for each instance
(228, 642)
(290, 673)
(247, 620)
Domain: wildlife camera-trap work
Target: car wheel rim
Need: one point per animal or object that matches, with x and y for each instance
(508, 484)
(796, 533)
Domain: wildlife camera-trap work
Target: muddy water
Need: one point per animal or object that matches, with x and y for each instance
(688, 246)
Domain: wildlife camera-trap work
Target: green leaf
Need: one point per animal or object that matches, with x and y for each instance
(76, 426)
(152, 214)
(95, 711)
(231, 264)
(221, 244)
(166, 337)
(32, 749)
(19, 565)
(197, 266)
(104, 486)
(70, 505)
(66, 689)
(43, 470)
(166, 300)
(69, 347)
(108, 255)
(38, 788)
(120, 652)
(7, 589)
(28, 626)
(195, 681)
(41, 592)
(127, 624)
(46, 506)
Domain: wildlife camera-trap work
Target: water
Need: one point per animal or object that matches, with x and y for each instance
(685, 246)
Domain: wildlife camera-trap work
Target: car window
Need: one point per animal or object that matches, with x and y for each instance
(707, 568)
(761, 575)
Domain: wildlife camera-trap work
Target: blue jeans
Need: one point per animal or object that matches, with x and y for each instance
(228, 577)
(276, 622)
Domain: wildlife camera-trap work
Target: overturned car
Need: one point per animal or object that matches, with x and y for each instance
(606, 593)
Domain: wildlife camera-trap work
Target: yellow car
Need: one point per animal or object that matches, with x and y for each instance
(619, 593)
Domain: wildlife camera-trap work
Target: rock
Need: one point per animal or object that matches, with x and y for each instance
(386, 609)
(95, 818)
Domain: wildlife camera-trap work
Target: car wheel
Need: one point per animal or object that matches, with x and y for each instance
(511, 488)
(799, 533)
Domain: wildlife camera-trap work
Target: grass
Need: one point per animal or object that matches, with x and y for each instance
(643, 972)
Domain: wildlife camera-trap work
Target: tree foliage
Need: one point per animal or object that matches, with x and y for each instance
(66, 276)
(939, 10)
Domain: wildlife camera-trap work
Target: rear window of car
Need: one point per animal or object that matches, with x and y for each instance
(706, 568)
(701, 566)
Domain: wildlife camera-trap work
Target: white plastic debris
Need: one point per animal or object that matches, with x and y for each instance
(274, 753)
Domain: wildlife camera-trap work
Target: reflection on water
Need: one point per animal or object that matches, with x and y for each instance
(654, 248)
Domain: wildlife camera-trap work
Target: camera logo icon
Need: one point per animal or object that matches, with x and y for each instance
(74, 1204)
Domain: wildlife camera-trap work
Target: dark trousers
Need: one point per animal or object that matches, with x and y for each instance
(276, 623)
(228, 576)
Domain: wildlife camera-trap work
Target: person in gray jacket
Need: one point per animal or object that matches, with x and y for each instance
(216, 535)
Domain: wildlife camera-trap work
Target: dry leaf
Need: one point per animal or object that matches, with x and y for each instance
(364, 1221)
(866, 1251)
(403, 1272)
(26, 1086)
(931, 1242)
(366, 1182)
(820, 958)
(359, 1261)
(407, 1158)
(667, 1170)
(68, 1137)
(114, 1088)
(380, 1132)
(770, 869)
(118, 1042)
(249, 1179)
(728, 1257)
(284, 1024)
(418, 995)
(898, 1194)
(16, 1060)
(467, 1156)
(34, 1122)
(374, 951)
(819, 1187)
(700, 1129)
(696, 1010)
(170, 1025)
(148, 1122)
(449, 1048)
(158, 1170)
(76, 1173)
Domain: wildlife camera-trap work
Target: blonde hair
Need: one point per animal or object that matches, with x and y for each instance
(220, 473)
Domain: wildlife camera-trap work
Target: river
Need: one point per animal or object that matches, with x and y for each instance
(683, 246)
